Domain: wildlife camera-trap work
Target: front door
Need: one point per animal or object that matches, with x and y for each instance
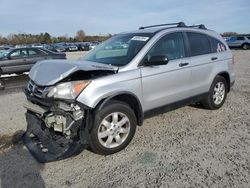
(14, 62)
(34, 56)
(166, 84)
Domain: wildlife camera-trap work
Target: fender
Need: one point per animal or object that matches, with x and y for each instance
(138, 111)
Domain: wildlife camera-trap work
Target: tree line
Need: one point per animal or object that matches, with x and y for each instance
(22, 38)
(230, 34)
(80, 36)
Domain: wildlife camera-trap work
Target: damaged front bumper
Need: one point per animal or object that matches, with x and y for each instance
(54, 132)
(43, 145)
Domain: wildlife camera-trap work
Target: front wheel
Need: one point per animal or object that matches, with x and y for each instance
(113, 128)
(217, 94)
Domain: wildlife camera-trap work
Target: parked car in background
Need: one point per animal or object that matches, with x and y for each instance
(38, 45)
(19, 60)
(92, 45)
(120, 45)
(50, 47)
(83, 46)
(71, 47)
(59, 48)
(45, 46)
(23, 45)
(4, 49)
(239, 42)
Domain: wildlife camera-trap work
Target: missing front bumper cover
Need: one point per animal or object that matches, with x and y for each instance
(46, 147)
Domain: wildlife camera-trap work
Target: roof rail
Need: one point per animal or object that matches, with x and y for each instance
(178, 24)
(201, 26)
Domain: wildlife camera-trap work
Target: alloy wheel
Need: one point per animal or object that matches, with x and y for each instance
(219, 93)
(113, 130)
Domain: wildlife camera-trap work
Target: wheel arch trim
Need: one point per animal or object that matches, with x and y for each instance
(138, 111)
(225, 75)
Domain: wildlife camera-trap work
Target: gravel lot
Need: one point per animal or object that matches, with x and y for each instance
(188, 147)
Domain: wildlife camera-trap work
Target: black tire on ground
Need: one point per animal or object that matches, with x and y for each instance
(209, 102)
(19, 73)
(246, 46)
(112, 107)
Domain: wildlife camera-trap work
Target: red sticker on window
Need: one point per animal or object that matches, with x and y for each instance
(220, 47)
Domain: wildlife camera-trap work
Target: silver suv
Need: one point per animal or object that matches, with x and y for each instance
(239, 41)
(98, 101)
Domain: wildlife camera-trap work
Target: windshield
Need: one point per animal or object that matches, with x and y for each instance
(118, 50)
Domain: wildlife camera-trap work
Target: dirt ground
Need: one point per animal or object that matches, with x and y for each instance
(188, 147)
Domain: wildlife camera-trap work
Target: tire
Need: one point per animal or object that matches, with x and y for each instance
(19, 73)
(214, 101)
(103, 137)
(246, 46)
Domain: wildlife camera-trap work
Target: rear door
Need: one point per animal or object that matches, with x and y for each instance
(35, 55)
(165, 84)
(239, 41)
(203, 54)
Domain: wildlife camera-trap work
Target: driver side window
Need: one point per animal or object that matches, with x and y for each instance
(15, 54)
(18, 54)
(170, 45)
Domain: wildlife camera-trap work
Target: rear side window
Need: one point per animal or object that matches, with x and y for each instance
(34, 52)
(240, 38)
(199, 44)
(15, 54)
(217, 46)
(24, 53)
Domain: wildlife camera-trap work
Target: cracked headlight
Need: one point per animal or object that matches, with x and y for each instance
(68, 90)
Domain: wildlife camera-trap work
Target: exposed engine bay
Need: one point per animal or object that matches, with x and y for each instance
(62, 118)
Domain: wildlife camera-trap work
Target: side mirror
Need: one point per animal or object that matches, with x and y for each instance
(156, 60)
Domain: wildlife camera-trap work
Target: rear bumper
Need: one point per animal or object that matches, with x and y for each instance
(46, 146)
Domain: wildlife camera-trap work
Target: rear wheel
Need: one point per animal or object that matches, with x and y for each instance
(217, 94)
(246, 46)
(114, 127)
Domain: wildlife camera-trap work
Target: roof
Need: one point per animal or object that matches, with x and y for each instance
(160, 27)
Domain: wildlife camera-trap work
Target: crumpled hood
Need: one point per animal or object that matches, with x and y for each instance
(49, 72)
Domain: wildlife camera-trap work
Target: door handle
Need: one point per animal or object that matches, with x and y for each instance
(214, 58)
(183, 64)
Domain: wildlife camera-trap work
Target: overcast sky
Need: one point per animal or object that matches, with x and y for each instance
(60, 17)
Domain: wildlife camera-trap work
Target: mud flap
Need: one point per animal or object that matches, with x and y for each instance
(43, 146)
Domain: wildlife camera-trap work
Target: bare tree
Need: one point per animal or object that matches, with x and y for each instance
(80, 35)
